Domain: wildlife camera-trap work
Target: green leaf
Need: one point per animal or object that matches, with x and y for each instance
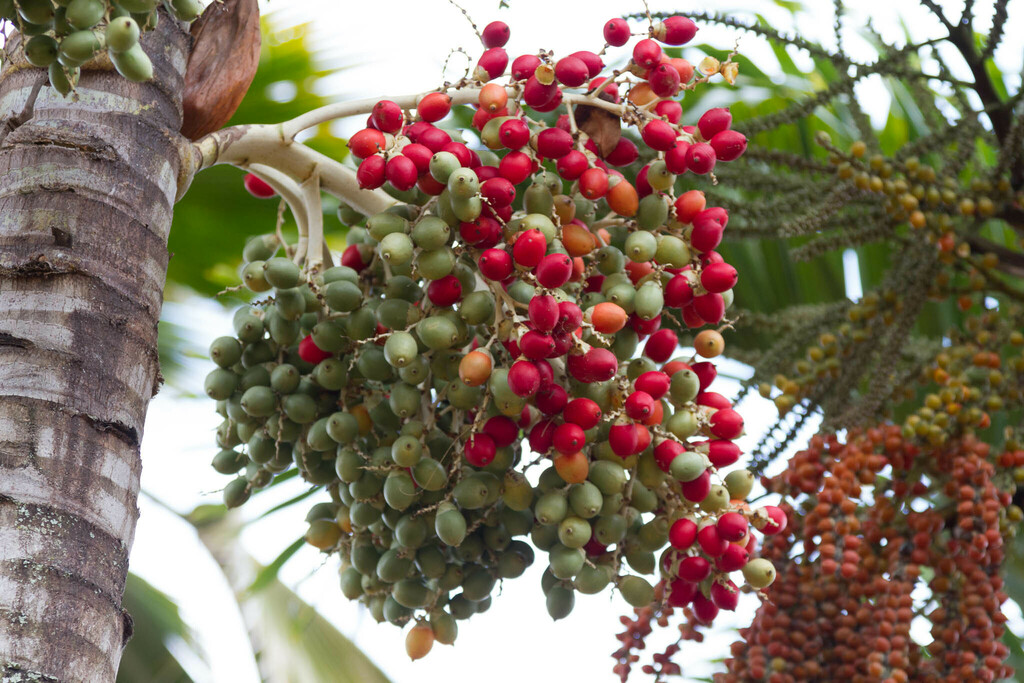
(157, 623)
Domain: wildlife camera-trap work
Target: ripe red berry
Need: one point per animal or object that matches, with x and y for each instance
(665, 452)
(523, 378)
(366, 143)
(536, 94)
(420, 156)
(554, 143)
(688, 205)
(733, 559)
(499, 192)
(495, 264)
(592, 60)
(514, 134)
(569, 438)
(434, 106)
(718, 277)
(697, 490)
(515, 167)
(714, 121)
(725, 595)
(433, 138)
(536, 345)
(310, 352)
(678, 292)
(257, 187)
(671, 110)
(722, 452)
(694, 568)
(777, 520)
(572, 165)
(529, 248)
(582, 412)
(492, 64)
(675, 30)
(710, 541)
(502, 429)
(710, 307)
(704, 609)
(700, 158)
(553, 270)
(647, 53)
(495, 34)
(371, 172)
(524, 66)
(639, 405)
(543, 312)
(729, 145)
(726, 424)
(401, 172)
(624, 153)
(659, 135)
(713, 399)
(732, 526)
(616, 32)
(664, 80)
(623, 439)
(654, 382)
(661, 345)
(676, 158)
(571, 71)
(594, 183)
(550, 399)
(596, 365)
(541, 435)
(682, 533)
(445, 291)
(387, 117)
(479, 450)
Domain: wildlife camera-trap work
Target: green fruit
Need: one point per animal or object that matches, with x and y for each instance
(343, 296)
(574, 532)
(658, 176)
(284, 379)
(467, 210)
(397, 314)
(430, 233)
(585, 499)
(652, 213)
(281, 272)
(406, 451)
(134, 64)
(41, 50)
(396, 248)
(299, 408)
(636, 590)
(340, 273)
(470, 493)
(317, 437)
(323, 534)
(716, 500)
(361, 324)
(478, 584)
(462, 183)
(351, 583)
(343, 427)
(740, 483)
(253, 277)
(229, 461)
(36, 11)
(443, 165)
(688, 466)
(63, 79)
(517, 494)
(683, 424)
(405, 399)
(551, 508)
(641, 246)
(123, 34)
(538, 200)
(436, 263)
(400, 349)
(259, 401)
(429, 474)
(610, 260)
(437, 332)
(654, 534)
(83, 14)
(566, 562)
(759, 573)
(186, 10)
(649, 301)
(411, 531)
(672, 251)
(477, 308)
(220, 384)
(609, 477)
(237, 492)
(610, 529)
(623, 296)
(684, 386)
(559, 602)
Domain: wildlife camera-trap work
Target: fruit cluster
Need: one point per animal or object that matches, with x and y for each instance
(62, 35)
(503, 304)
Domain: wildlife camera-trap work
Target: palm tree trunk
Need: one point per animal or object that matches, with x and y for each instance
(87, 190)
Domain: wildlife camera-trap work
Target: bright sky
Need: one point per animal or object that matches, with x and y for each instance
(396, 47)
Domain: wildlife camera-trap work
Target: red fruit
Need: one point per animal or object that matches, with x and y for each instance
(563, 342)
(596, 365)
(706, 373)
(479, 231)
(571, 71)
(366, 143)
(697, 490)
(723, 452)
(647, 53)
(659, 135)
(714, 400)
(729, 145)
(694, 568)
(592, 60)
(675, 30)
(515, 167)
(665, 452)
(655, 383)
(707, 231)
(669, 109)
(401, 172)
(711, 542)
(616, 32)
(491, 65)
(547, 375)
(582, 412)
(733, 559)
(460, 151)
(675, 158)
(502, 430)
(434, 139)
(310, 352)
(495, 264)
(661, 345)
(524, 66)
(543, 312)
(643, 188)
(682, 533)
(639, 405)
(479, 450)
(678, 292)
(732, 526)
(553, 143)
(572, 165)
(688, 205)
(541, 435)
(257, 187)
(594, 183)
(529, 248)
(420, 156)
(726, 424)
(612, 88)
(429, 185)
(523, 378)
(643, 438)
(551, 399)
(624, 154)
(387, 116)
(536, 94)
(495, 34)
(553, 270)
(570, 317)
(700, 158)
(704, 609)
(499, 192)
(371, 172)
(514, 133)
(714, 121)
(776, 521)
(664, 80)
(725, 595)
(445, 291)
(569, 438)
(718, 277)
(690, 317)
(434, 106)
(353, 257)
(710, 307)
(622, 438)
(681, 592)
(536, 345)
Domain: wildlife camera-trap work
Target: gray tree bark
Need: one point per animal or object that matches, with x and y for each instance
(87, 189)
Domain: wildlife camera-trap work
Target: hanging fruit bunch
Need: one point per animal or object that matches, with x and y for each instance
(62, 35)
(495, 356)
